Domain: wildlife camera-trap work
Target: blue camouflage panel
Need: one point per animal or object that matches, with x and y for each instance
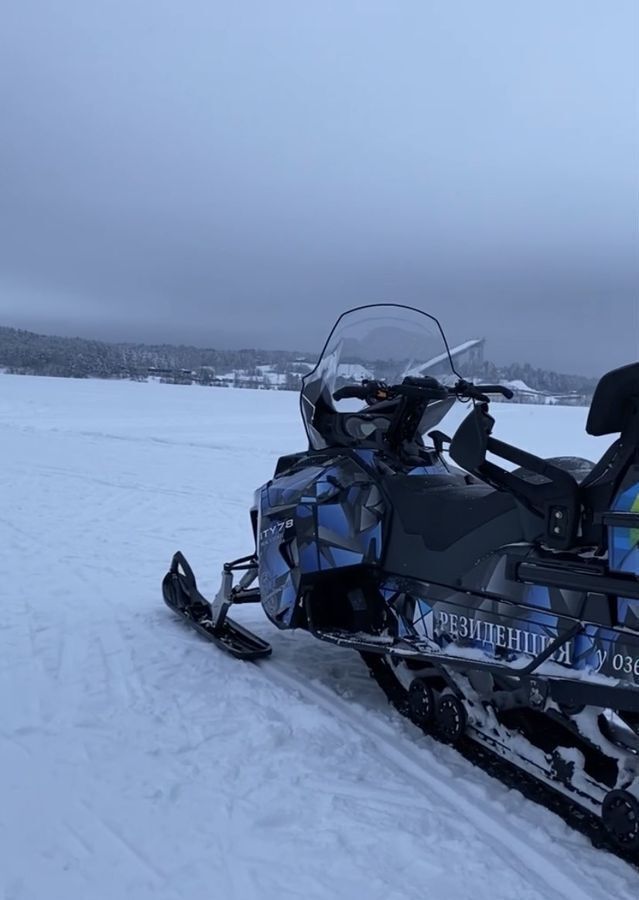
(623, 550)
(323, 517)
(509, 631)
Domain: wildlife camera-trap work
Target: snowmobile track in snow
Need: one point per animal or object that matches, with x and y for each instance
(512, 777)
(435, 779)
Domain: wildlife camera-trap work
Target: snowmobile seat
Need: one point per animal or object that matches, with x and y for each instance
(441, 527)
(444, 513)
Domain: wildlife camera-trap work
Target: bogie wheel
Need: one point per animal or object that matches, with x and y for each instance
(451, 718)
(421, 702)
(620, 815)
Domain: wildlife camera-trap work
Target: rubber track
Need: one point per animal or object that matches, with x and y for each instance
(508, 773)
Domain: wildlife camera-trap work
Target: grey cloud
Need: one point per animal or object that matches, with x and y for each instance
(242, 172)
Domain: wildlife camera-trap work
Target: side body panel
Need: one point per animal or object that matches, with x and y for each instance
(492, 618)
(446, 583)
(325, 515)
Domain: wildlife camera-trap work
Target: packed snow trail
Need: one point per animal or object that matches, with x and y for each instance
(138, 761)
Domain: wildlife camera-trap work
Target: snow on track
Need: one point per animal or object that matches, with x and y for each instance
(138, 761)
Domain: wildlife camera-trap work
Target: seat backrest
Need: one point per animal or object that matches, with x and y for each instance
(614, 409)
(599, 488)
(611, 403)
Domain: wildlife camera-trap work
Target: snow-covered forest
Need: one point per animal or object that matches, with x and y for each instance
(25, 353)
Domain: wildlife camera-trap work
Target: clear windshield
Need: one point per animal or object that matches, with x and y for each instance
(384, 342)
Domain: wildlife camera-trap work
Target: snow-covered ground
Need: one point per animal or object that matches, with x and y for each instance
(137, 761)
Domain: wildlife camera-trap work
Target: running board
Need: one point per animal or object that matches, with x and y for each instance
(539, 687)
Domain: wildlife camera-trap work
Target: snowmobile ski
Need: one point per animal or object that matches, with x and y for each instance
(181, 595)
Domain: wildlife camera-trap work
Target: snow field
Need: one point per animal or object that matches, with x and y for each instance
(137, 761)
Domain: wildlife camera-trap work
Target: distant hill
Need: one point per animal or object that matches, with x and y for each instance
(25, 353)
(538, 379)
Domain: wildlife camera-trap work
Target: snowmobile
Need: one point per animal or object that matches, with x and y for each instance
(493, 594)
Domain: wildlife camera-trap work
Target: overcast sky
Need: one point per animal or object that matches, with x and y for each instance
(236, 173)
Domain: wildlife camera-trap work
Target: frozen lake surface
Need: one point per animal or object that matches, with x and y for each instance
(137, 761)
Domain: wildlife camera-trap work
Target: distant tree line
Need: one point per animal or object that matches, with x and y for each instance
(26, 353)
(538, 379)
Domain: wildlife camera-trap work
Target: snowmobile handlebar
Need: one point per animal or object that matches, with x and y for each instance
(425, 388)
(356, 391)
(479, 391)
(420, 387)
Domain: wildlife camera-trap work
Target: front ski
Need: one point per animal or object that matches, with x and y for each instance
(181, 595)
(232, 637)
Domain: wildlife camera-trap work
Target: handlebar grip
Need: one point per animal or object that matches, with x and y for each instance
(496, 389)
(419, 392)
(358, 391)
